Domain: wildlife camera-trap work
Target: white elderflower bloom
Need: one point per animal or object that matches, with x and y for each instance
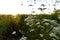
(31, 30)
(38, 23)
(46, 19)
(41, 35)
(27, 23)
(58, 16)
(52, 34)
(46, 23)
(23, 38)
(44, 39)
(14, 32)
(53, 21)
(57, 28)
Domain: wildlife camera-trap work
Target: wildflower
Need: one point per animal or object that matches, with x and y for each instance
(31, 30)
(14, 32)
(41, 35)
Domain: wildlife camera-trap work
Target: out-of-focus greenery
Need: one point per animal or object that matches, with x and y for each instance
(34, 27)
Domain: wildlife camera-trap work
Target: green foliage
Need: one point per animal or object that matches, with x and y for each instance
(7, 23)
(34, 27)
(4, 23)
(40, 27)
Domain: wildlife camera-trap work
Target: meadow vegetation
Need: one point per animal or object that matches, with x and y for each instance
(34, 27)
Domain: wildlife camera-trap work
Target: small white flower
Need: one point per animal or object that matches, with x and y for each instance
(44, 39)
(14, 32)
(27, 23)
(41, 35)
(23, 38)
(54, 39)
(52, 34)
(46, 19)
(53, 21)
(57, 28)
(38, 23)
(46, 23)
(31, 30)
(58, 16)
